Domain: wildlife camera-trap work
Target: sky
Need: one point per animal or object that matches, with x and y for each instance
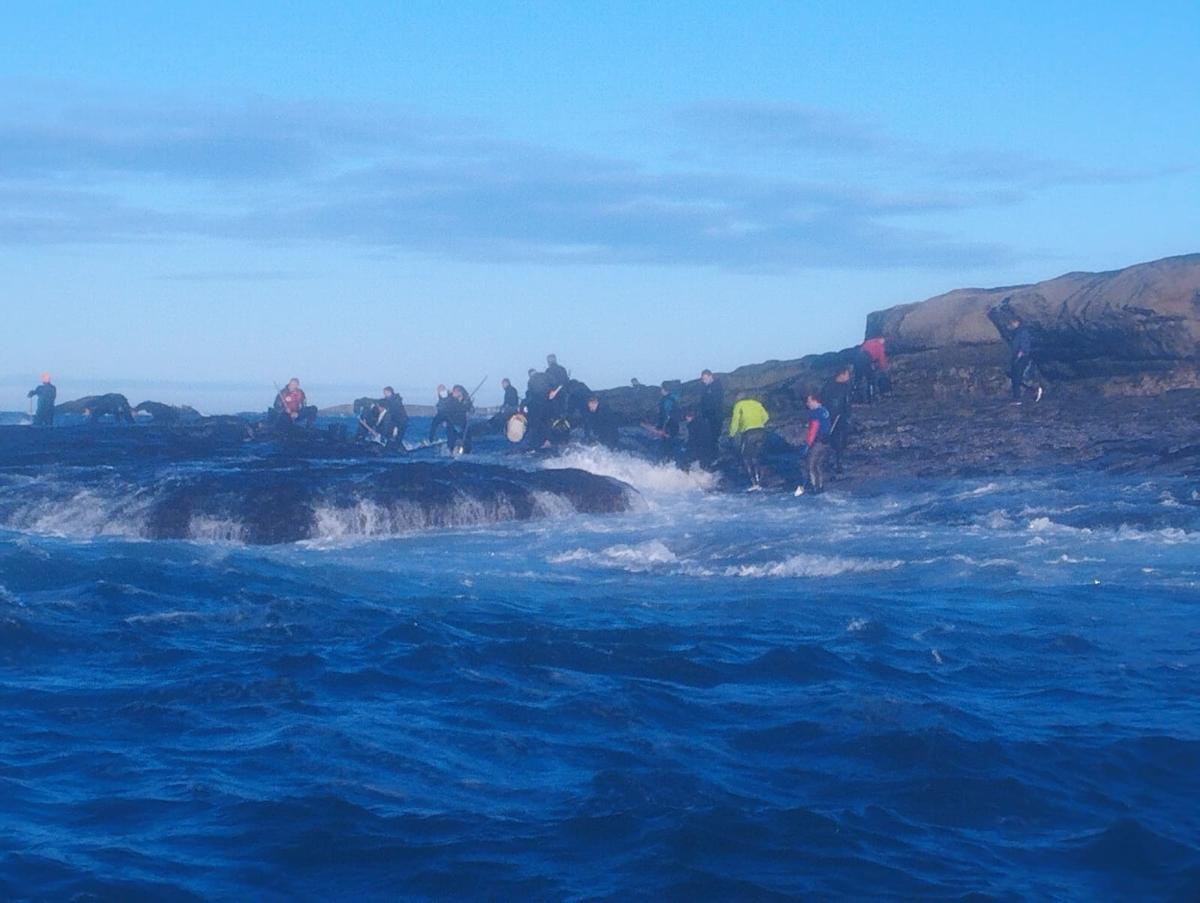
(201, 200)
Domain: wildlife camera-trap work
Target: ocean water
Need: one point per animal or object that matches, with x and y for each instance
(984, 689)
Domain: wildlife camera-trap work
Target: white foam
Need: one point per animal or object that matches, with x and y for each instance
(215, 529)
(89, 512)
(639, 557)
(551, 505)
(806, 565)
(644, 476)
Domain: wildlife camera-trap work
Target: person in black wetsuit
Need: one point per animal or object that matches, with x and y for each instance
(667, 424)
(537, 409)
(1020, 343)
(711, 416)
(439, 414)
(457, 408)
(392, 418)
(498, 421)
(836, 395)
(512, 400)
(556, 373)
(600, 424)
(112, 405)
(45, 393)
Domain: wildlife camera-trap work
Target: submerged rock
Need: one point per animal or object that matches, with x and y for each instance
(203, 483)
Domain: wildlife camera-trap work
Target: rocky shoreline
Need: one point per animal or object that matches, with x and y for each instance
(1118, 352)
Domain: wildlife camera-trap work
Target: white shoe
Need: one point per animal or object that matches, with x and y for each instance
(799, 491)
(1040, 393)
(755, 488)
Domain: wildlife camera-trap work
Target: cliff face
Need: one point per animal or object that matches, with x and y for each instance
(1131, 331)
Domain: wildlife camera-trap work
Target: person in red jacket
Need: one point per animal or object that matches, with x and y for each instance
(871, 369)
(290, 408)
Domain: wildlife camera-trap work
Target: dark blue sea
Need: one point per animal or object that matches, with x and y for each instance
(965, 689)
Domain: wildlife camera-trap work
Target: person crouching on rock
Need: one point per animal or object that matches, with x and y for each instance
(747, 426)
(816, 441)
(290, 407)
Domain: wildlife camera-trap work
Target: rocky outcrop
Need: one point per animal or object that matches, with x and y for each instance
(1134, 331)
(1130, 331)
(190, 483)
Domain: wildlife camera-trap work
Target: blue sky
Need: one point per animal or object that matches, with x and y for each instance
(200, 200)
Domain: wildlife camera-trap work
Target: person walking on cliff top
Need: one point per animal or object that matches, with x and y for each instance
(1020, 343)
(747, 425)
(45, 393)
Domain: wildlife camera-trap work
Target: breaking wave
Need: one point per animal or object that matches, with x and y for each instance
(645, 476)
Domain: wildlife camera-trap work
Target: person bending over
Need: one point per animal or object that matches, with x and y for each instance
(747, 426)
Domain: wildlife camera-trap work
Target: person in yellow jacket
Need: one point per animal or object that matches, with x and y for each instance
(746, 424)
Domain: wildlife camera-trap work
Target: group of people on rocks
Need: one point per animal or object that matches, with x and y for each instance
(554, 405)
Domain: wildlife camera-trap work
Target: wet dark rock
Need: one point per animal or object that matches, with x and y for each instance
(107, 401)
(208, 480)
(166, 414)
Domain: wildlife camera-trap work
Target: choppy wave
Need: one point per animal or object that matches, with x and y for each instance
(905, 691)
(656, 555)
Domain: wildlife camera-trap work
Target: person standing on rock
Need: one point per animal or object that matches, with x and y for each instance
(45, 393)
(667, 424)
(600, 424)
(512, 400)
(836, 396)
(711, 416)
(556, 372)
(537, 409)
(1020, 343)
(392, 422)
(817, 442)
